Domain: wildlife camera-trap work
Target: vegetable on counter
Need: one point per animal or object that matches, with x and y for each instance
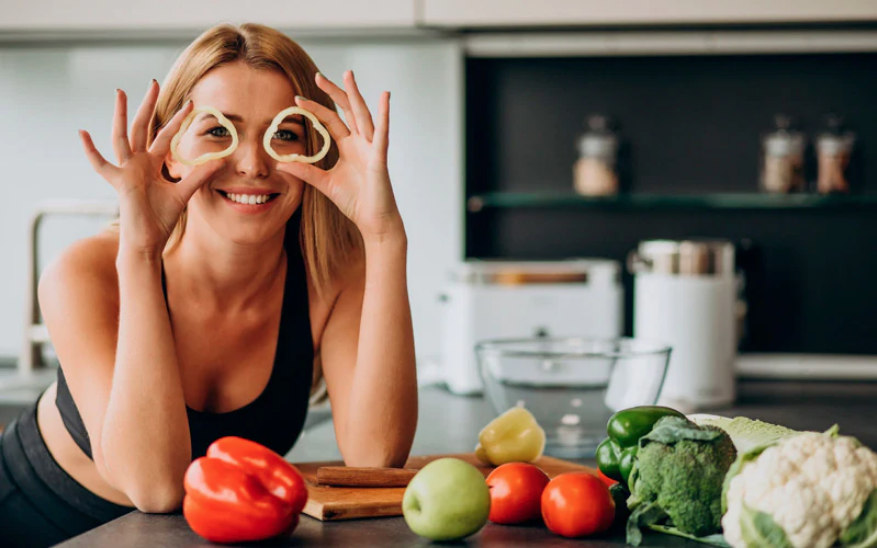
(746, 434)
(516, 493)
(242, 491)
(807, 490)
(615, 455)
(677, 478)
(577, 504)
(514, 436)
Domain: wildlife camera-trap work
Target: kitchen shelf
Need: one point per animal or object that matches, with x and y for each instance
(504, 200)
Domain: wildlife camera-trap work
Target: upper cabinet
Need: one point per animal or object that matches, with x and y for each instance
(162, 17)
(566, 13)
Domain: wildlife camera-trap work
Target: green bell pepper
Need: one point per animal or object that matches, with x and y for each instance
(616, 454)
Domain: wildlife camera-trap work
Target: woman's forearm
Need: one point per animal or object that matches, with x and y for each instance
(145, 437)
(382, 414)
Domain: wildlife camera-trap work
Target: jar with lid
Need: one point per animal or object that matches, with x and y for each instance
(594, 173)
(782, 168)
(833, 148)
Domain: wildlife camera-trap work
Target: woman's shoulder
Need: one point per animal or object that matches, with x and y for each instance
(87, 263)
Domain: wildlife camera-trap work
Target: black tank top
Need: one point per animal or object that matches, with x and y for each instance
(276, 417)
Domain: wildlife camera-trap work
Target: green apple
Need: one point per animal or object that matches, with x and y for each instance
(447, 500)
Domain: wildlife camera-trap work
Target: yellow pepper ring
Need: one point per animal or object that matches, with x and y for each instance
(175, 142)
(266, 141)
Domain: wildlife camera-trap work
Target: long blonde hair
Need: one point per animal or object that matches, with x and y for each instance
(328, 239)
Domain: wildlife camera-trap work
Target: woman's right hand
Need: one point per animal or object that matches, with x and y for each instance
(149, 204)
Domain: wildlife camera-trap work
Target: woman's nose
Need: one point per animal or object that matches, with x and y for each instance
(251, 159)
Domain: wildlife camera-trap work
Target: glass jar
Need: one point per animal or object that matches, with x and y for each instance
(782, 168)
(833, 148)
(594, 172)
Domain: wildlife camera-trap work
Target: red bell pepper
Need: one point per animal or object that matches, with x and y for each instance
(242, 491)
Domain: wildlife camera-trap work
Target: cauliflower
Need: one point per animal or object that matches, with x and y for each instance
(808, 490)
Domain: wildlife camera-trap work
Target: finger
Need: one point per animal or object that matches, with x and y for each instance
(140, 125)
(121, 146)
(336, 126)
(98, 162)
(198, 177)
(337, 94)
(382, 132)
(162, 143)
(308, 173)
(360, 109)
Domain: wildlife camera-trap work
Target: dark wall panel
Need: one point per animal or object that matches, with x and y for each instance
(692, 125)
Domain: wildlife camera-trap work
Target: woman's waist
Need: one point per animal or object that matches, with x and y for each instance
(68, 455)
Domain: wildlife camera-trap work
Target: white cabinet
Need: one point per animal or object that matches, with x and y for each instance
(504, 13)
(162, 17)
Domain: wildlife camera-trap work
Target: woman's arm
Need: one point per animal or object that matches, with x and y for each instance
(120, 363)
(368, 360)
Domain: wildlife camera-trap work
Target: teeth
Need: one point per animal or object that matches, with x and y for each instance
(250, 199)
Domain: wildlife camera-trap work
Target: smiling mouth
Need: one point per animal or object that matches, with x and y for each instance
(249, 199)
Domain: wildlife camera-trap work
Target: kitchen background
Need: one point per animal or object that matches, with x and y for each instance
(490, 100)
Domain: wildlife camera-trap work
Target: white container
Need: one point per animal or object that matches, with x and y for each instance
(685, 296)
(499, 300)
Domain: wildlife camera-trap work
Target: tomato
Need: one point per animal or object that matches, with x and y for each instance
(577, 504)
(516, 493)
(606, 479)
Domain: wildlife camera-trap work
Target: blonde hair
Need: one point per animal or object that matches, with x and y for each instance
(327, 238)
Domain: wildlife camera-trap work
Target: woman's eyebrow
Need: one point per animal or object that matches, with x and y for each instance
(292, 119)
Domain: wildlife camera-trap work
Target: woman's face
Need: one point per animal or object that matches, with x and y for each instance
(249, 99)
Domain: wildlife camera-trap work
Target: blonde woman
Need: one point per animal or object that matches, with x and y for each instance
(228, 290)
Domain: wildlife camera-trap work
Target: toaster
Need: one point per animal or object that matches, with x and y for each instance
(504, 299)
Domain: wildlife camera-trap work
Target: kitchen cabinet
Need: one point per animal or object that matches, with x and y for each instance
(169, 17)
(566, 13)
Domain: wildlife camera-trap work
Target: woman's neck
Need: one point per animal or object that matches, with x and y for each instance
(232, 276)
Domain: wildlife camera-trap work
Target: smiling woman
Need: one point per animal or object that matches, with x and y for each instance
(228, 289)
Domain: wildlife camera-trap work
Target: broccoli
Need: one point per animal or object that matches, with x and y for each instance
(677, 478)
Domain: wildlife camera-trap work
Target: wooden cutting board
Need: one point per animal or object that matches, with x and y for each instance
(338, 503)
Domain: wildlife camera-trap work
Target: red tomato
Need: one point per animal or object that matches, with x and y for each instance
(606, 479)
(577, 504)
(516, 492)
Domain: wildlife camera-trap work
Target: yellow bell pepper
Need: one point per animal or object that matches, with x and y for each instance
(514, 436)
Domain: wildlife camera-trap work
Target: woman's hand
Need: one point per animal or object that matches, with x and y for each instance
(359, 183)
(149, 204)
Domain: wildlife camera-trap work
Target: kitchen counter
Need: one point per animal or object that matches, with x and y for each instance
(450, 424)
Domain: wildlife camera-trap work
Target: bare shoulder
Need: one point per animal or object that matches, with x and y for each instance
(87, 267)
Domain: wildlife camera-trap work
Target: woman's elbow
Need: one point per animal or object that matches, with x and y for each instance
(152, 499)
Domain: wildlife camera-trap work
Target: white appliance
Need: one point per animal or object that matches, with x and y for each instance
(498, 299)
(685, 295)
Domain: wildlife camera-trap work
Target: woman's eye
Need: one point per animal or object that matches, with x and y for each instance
(286, 135)
(223, 131)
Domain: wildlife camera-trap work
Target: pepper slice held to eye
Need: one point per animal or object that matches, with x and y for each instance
(242, 491)
(187, 121)
(281, 116)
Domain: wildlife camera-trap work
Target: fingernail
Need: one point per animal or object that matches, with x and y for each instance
(321, 75)
(189, 102)
(300, 98)
(118, 90)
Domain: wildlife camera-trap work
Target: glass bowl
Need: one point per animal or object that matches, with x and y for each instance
(572, 385)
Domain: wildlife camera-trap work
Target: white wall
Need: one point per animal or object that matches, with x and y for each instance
(48, 92)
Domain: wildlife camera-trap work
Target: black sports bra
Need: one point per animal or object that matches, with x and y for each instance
(276, 417)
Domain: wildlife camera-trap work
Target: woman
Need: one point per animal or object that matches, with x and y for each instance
(203, 316)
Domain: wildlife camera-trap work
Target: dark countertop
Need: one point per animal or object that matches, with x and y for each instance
(449, 424)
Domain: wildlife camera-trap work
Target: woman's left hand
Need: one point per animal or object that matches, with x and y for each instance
(359, 183)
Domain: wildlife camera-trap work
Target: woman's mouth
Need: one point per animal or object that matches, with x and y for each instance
(249, 202)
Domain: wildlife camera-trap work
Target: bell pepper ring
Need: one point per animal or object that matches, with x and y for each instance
(266, 140)
(204, 158)
(242, 491)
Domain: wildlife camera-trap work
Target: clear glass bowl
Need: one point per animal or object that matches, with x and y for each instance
(572, 385)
